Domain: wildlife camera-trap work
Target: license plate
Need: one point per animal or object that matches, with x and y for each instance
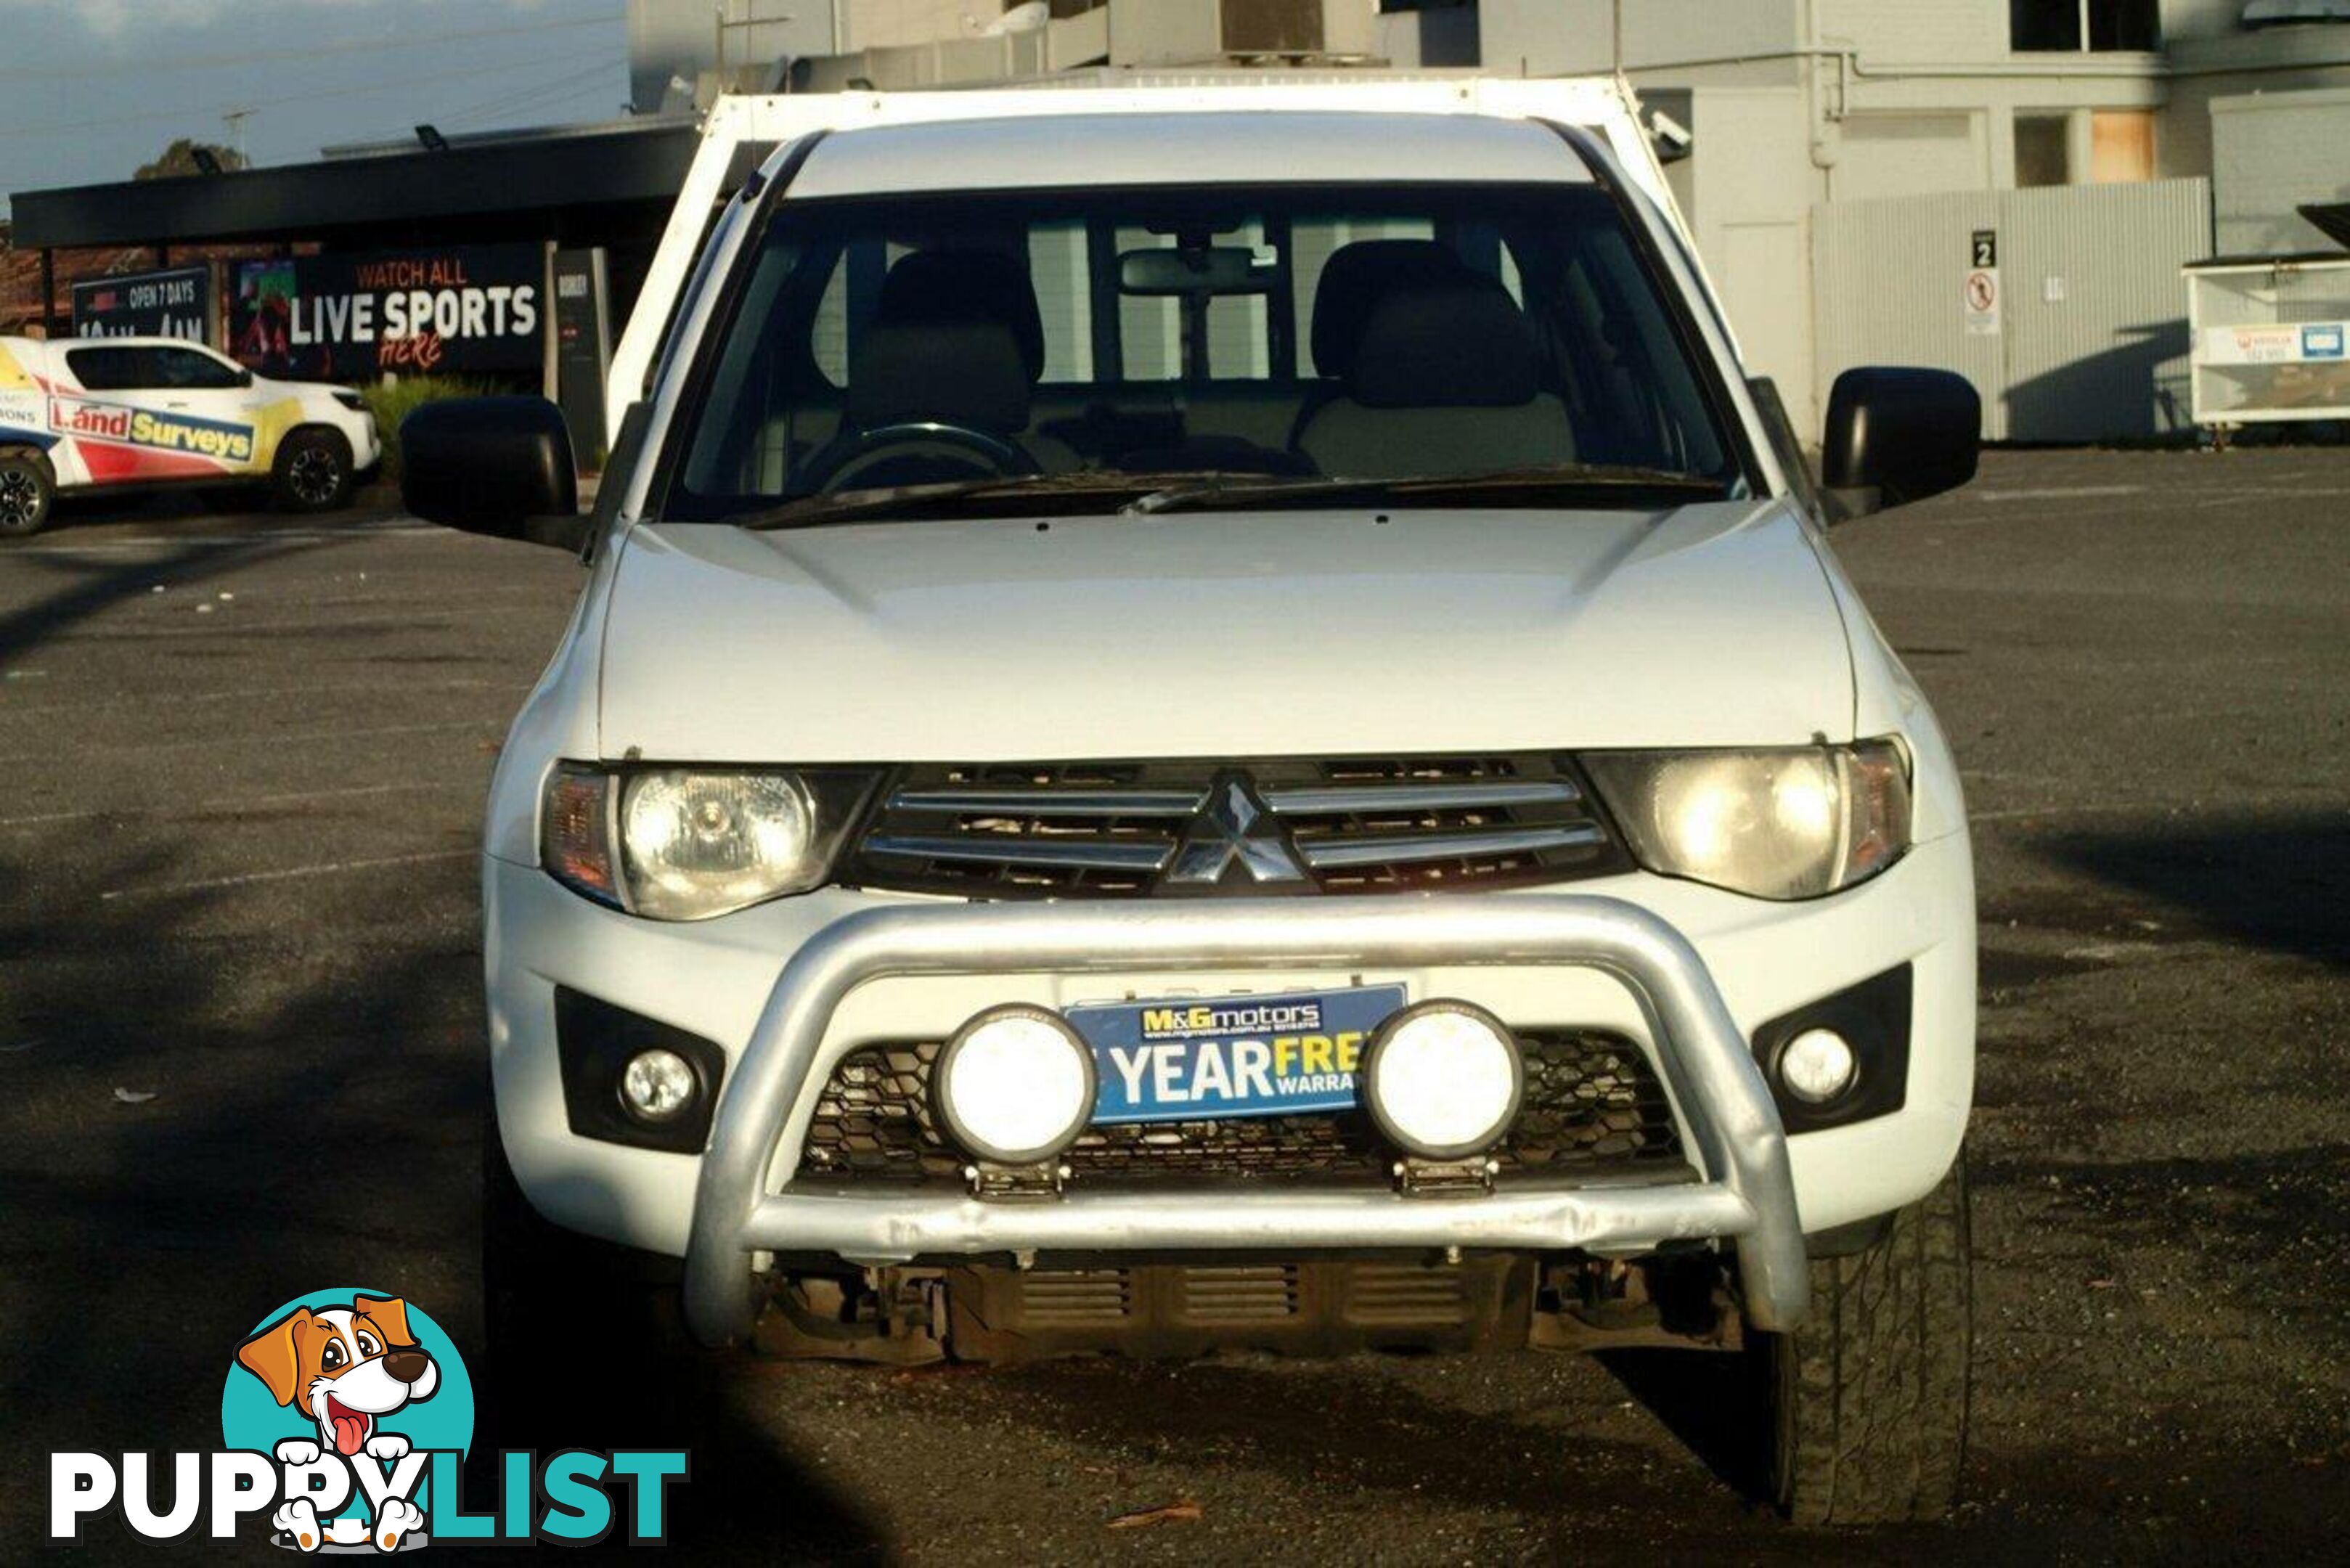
(1191, 1059)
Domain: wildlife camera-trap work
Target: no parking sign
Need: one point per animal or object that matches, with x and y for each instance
(1982, 301)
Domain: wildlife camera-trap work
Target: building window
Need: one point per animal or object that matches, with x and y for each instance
(1273, 27)
(2071, 26)
(2042, 156)
(2121, 145)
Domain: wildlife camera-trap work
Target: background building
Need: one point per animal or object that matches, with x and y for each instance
(1802, 115)
(2006, 187)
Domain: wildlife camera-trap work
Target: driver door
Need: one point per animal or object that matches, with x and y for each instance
(190, 383)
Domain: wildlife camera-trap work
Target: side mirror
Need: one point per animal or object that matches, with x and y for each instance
(499, 466)
(1898, 435)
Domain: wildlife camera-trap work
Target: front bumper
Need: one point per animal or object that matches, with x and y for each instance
(740, 1208)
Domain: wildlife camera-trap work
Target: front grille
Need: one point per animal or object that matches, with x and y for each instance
(1359, 825)
(1591, 1100)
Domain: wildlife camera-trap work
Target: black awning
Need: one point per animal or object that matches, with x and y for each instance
(501, 188)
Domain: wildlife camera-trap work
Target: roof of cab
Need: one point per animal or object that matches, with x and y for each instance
(1185, 147)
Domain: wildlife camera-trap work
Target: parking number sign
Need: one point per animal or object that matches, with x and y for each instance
(1984, 250)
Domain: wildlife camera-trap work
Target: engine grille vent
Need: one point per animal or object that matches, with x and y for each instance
(1591, 1099)
(1359, 825)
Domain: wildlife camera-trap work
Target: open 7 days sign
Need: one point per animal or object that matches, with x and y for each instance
(340, 317)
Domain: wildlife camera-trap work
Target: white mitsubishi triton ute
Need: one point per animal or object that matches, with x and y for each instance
(1205, 729)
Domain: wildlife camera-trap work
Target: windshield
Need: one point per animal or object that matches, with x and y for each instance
(1192, 347)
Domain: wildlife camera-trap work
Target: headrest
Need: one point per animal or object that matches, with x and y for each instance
(1458, 346)
(925, 287)
(1354, 280)
(967, 371)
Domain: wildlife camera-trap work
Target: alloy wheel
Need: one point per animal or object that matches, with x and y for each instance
(314, 476)
(20, 499)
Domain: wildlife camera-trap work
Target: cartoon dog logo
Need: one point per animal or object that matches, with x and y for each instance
(345, 1368)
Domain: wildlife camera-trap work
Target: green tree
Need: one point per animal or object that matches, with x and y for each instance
(180, 157)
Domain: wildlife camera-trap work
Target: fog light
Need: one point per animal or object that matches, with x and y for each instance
(657, 1085)
(1016, 1084)
(1443, 1080)
(1817, 1065)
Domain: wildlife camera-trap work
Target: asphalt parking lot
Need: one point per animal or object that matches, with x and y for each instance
(244, 759)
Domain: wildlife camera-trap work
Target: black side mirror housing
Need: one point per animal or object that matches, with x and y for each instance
(1897, 435)
(499, 466)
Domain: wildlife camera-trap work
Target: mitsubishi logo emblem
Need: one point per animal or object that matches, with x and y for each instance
(1233, 828)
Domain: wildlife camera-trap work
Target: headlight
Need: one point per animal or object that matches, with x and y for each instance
(1785, 823)
(349, 398)
(678, 844)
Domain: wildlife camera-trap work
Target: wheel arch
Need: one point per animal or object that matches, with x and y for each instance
(309, 428)
(26, 449)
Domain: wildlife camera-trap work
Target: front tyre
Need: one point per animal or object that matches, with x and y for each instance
(1867, 1403)
(313, 471)
(28, 491)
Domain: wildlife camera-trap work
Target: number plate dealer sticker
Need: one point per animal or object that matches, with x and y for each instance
(1191, 1059)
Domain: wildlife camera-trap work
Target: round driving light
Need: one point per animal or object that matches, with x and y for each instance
(1817, 1065)
(1016, 1084)
(1442, 1079)
(657, 1085)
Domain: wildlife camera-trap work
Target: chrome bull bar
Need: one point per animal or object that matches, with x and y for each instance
(1748, 1197)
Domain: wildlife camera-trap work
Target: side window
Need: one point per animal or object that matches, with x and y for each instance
(1644, 403)
(111, 369)
(184, 367)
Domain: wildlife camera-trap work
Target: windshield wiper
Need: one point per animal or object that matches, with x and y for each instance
(911, 500)
(1221, 493)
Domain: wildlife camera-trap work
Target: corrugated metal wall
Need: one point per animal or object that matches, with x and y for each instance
(2091, 339)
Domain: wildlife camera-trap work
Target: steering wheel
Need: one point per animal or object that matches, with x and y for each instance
(935, 449)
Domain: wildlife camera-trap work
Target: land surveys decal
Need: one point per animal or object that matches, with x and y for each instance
(345, 1419)
(91, 420)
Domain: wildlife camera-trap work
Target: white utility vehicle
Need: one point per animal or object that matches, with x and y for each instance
(121, 413)
(1209, 723)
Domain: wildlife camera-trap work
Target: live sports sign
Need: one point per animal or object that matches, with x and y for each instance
(329, 318)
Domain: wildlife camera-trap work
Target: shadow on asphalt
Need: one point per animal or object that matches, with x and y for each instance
(1327, 1424)
(1711, 1401)
(85, 587)
(339, 1134)
(2271, 879)
(313, 1135)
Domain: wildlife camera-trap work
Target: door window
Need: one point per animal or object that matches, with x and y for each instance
(186, 369)
(112, 369)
